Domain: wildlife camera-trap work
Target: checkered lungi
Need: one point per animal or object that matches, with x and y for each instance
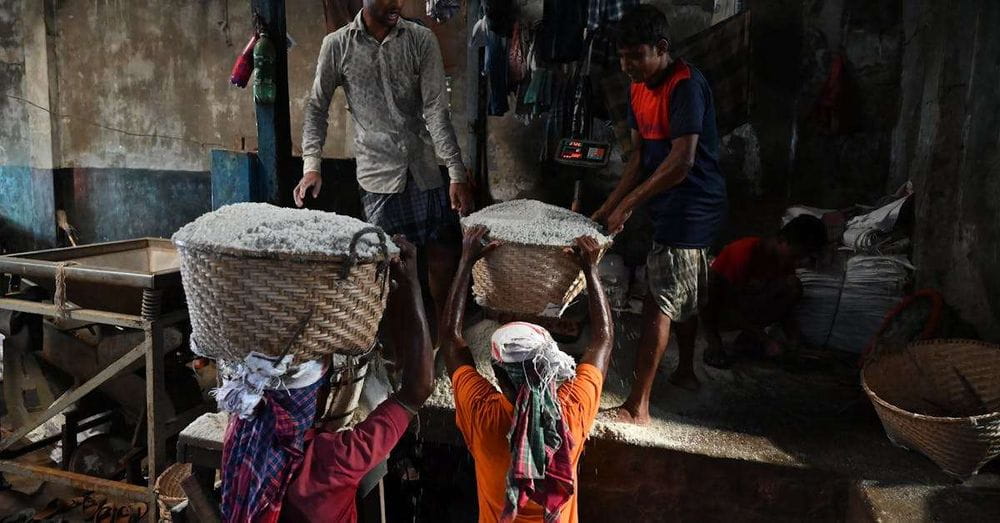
(422, 216)
(678, 279)
(260, 454)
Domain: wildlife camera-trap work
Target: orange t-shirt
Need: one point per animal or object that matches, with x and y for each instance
(484, 416)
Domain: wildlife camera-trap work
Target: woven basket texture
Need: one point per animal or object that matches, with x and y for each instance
(169, 492)
(238, 303)
(527, 279)
(941, 398)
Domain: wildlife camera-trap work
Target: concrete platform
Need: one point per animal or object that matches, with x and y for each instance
(762, 441)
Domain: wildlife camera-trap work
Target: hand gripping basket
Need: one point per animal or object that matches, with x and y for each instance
(941, 398)
(535, 280)
(276, 304)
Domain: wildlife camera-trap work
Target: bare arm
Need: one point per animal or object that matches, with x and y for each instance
(456, 351)
(601, 327)
(628, 182)
(418, 369)
(669, 174)
(314, 115)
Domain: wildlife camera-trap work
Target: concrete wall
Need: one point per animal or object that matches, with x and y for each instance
(160, 70)
(837, 167)
(137, 94)
(946, 140)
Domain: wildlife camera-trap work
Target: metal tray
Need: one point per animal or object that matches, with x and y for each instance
(105, 276)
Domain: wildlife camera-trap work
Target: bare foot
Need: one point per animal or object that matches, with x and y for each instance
(686, 380)
(625, 414)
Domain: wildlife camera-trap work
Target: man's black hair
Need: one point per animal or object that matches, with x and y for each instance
(643, 24)
(805, 231)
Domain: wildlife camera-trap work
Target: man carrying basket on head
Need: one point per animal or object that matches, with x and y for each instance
(393, 75)
(276, 466)
(527, 438)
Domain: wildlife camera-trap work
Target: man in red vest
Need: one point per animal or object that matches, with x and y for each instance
(674, 172)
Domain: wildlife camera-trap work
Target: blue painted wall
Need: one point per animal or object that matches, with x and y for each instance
(27, 213)
(118, 204)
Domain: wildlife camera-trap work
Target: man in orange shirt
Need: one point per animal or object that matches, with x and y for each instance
(544, 409)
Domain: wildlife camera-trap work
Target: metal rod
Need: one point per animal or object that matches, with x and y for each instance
(73, 395)
(81, 481)
(86, 315)
(42, 443)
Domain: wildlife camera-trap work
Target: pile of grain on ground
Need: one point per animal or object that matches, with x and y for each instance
(478, 337)
(264, 228)
(531, 222)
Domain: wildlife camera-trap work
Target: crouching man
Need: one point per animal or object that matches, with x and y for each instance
(752, 286)
(526, 438)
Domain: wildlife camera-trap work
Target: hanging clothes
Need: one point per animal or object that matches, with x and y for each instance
(442, 10)
(497, 64)
(602, 16)
(561, 37)
(501, 16)
(601, 12)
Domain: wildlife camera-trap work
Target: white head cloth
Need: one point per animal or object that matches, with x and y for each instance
(519, 342)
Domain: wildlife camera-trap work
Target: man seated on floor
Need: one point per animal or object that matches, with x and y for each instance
(752, 286)
(334, 463)
(545, 407)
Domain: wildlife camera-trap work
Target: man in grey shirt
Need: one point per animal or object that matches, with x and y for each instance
(393, 76)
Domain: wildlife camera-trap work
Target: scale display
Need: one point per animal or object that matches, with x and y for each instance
(583, 153)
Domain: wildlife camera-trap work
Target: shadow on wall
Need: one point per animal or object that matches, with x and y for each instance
(117, 204)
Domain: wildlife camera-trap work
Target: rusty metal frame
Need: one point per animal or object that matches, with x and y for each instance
(151, 349)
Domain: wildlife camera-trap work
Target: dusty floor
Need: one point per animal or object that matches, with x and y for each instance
(806, 414)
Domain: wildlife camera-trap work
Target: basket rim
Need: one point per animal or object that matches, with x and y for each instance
(605, 245)
(185, 245)
(939, 419)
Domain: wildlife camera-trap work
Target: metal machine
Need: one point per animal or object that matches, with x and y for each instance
(103, 317)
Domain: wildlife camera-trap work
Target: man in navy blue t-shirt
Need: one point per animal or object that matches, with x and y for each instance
(675, 172)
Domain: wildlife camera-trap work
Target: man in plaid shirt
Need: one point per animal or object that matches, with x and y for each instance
(527, 437)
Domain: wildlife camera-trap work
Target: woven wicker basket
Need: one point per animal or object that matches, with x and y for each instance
(276, 304)
(527, 279)
(941, 398)
(169, 492)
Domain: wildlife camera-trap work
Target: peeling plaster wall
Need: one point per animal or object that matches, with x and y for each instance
(14, 140)
(162, 68)
(947, 140)
(835, 168)
(159, 73)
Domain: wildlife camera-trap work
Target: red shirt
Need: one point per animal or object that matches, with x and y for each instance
(325, 487)
(745, 260)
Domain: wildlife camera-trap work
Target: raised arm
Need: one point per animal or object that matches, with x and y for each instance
(456, 351)
(315, 115)
(602, 337)
(418, 369)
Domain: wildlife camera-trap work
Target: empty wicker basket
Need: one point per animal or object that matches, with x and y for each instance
(276, 304)
(527, 279)
(169, 492)
(941, 398)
